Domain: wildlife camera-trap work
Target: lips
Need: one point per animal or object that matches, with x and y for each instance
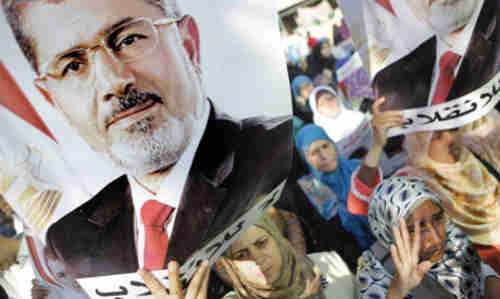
(129, 112)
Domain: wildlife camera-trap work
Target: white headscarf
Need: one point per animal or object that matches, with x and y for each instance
(346, 122)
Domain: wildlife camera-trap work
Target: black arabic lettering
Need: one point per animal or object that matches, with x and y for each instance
(141, 285)
(429, 119)
(123, 292)
(486, 95)
(408, 122)
(494, 91)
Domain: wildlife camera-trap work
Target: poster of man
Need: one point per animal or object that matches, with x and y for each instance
(127, 91)
(446, 86)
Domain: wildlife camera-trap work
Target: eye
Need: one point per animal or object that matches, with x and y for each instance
(72, 66)
(128, 41)
(261, 243)
(242, 254)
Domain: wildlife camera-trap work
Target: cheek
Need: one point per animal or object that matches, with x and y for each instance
(251, 271)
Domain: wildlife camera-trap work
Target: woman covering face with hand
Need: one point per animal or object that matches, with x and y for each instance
(262, 264)
(419, 253)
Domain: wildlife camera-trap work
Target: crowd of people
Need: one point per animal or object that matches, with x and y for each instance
(343, 228)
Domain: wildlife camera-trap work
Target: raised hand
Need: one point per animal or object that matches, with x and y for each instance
(382, 121)
(197, 288)
(405, 255)
(312, 286)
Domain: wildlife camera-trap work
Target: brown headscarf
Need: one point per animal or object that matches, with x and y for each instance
(294, 275)
(9, 249)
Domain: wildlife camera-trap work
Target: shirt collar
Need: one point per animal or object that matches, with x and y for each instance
(211, 152)
(171, 188)
(460, 42)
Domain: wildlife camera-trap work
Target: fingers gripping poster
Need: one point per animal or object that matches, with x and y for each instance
(438, 62)
(430, 53)
(122, 117)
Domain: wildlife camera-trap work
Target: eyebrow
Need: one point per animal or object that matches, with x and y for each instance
(111, 28)
(103, 32)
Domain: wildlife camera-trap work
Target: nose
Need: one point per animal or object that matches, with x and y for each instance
(257, 257)
(113, 76)
(432, 238)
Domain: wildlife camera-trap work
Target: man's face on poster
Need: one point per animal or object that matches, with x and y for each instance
(444, 16)
(130, 92)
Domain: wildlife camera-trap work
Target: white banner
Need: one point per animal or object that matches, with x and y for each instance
(354, 64)
(451, 114)
(128, 286)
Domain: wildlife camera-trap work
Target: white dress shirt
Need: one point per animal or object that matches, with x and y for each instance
(171, 188)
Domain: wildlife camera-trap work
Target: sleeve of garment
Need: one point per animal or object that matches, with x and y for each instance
(357, 200)
(372, 280)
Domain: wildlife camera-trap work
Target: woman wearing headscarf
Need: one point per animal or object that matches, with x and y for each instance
(301, 90)
(331, 170)
(419, 253)
(262, 264)
(459, 165)
(321, 61)
(331, 112)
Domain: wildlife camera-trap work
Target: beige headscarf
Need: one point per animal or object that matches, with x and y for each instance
(9, 249)
(294, 275)
(471, 194)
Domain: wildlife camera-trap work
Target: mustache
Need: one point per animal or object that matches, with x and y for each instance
(133, 97)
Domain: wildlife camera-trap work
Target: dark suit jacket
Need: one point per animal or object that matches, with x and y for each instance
(406, 83)
(234, 163)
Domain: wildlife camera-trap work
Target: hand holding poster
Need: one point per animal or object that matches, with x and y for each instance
(438, 61)
(134, 93)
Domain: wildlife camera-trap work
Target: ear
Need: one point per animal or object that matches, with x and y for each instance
(40, 85)
(191, 39)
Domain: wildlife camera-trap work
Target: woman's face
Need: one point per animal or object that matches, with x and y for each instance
(328, 105)
(257, 256)
(326, 51)
(322, 156)
(306, 90)
(432, 221)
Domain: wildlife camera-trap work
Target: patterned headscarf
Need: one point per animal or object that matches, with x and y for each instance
(459, 272)
(295, 271)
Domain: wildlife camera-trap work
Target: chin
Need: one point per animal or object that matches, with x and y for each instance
(147, 152)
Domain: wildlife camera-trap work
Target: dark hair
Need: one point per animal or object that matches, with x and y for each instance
(3, 293)
(14, 9)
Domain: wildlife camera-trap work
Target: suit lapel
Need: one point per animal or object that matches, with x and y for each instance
(198, 208)
(478, 65)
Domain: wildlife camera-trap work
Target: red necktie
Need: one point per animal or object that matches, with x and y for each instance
(386, 4)
(154, 214)
(447, 65)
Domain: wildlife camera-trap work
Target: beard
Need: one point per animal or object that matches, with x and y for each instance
(156, 142)
(450, 15)
(145, 148)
